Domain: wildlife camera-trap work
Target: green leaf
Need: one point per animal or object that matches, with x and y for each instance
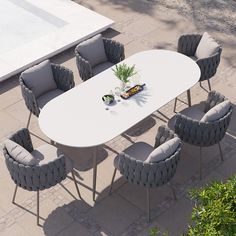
(215, 210)
(123, 72)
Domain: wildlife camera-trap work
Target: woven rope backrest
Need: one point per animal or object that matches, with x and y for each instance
(163, 134)
(36, 177)
(213, 99)
(201, 133)
(148, 174)
(187, 44)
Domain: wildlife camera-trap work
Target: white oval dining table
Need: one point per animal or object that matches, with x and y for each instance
(79, 118)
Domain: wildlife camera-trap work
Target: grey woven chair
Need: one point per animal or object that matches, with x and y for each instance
(149, 175)
(64, 80)
(114, 52)
(203, 134)
(187, 45)
(37, 177)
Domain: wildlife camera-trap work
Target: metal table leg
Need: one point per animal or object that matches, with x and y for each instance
(189, 98)
(94, 171)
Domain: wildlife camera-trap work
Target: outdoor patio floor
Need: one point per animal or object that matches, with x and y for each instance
(139, 25)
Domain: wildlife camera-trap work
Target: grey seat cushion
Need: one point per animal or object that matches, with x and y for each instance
(217, 112)
(139, 151)
(194, 112)
(19, 153)
(163, 151)
(47, 153)
(93, 50)
(101, 67)
(39, 78)
(45, 98)
(207, 47)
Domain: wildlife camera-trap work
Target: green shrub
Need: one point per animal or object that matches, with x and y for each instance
(215, 211)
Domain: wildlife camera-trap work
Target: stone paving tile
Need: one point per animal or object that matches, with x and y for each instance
(141, 25)
(19, 111)
(9, 124)
(115, 214)
(228, 167)
(15, 230)
(10, 89)
(74, 229)
(53, 219)
(137, 195)
(179, 214)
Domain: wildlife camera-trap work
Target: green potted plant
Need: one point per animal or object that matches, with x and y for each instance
(123, 72)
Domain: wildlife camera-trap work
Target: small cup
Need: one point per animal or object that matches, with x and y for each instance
(108, 99)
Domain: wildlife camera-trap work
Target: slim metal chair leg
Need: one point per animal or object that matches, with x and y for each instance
(221, 153)
(28, 122)
(175, 105)
(209, 84)
(38, 207)
(112, 181)
(189, 98)
(14, 195)
(148, 204)
(76, 184)
(200, 169)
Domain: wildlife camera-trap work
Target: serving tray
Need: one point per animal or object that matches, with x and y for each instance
(132, 91)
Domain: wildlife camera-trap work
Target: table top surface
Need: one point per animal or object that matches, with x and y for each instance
(79, 118)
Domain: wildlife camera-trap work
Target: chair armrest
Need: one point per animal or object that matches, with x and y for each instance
(22, 137)
(208, 66)
(84, 67)
(213, 99)
(189, 130)
(163, 134)
(114, 50)
(63, 77)
(187, 44)
(29, 97)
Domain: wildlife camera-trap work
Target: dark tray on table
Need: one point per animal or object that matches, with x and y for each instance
(132, 91)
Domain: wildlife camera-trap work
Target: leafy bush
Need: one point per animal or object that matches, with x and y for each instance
(215, 211)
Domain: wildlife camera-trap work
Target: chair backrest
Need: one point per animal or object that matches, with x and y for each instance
(208, 66)
(163, 134)
(200, 133)
(39, 78)
(37, 177)
(92, 50)
(114, 53)
(148, 174)
(213, 99)
(187, 44)
(63, 77)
